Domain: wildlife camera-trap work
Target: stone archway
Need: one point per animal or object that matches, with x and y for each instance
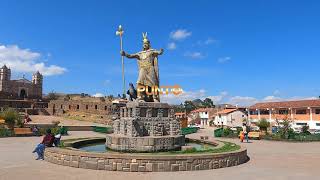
(23, 93)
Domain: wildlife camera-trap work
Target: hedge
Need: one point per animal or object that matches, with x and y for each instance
(188, 130)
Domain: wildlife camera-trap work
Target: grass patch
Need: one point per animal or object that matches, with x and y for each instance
(227, 147)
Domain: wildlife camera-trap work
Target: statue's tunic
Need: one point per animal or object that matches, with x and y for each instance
(148, 68)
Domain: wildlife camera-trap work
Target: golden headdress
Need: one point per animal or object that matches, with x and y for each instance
(145, 38)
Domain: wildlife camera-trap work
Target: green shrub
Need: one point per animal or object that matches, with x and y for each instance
(188, 130)
(11, 117)
(218, 132)
(263, 124)
(5, 132)
(227, 132)
(55, 130)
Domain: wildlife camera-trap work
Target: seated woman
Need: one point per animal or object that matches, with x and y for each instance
(46, 142)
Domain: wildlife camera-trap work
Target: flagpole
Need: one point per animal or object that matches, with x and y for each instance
(119, 32)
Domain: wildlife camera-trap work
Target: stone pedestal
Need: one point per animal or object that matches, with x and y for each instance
(145, 127)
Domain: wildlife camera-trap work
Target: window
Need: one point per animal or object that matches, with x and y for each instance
(61, 107)
(205, 112)
(264, 112)
(143, 112)
(105, 108)
(301, 111)
(165, 112)
(317, 124)
(87, 107)
(253, 112)
(154, 112)
(96, 106)
(317, 111)
(301, 124)
(78, 107)
(283, 111)
(69, 106)
(130, 112)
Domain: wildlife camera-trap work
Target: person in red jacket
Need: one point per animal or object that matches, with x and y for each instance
(46, 142)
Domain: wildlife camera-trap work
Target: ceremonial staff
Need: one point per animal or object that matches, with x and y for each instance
(119, 33)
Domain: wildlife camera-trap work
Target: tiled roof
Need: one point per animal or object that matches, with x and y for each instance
(202, 110)
(179, 113)
(287, 104)
(226, 111)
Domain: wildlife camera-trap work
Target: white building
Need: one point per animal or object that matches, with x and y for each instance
(230, 117)
(203, 114)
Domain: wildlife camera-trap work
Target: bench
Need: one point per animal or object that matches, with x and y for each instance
(22, 131)
(252, 135)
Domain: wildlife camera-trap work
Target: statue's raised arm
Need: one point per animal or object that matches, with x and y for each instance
(130, 56)
(160, 52)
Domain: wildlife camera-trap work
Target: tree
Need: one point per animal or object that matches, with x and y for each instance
(286, 127)
(11, 117)
(263, 124)
(207, 103)
(189, 106)
(304, 130)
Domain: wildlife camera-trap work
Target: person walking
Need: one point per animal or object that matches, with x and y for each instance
(245, 132)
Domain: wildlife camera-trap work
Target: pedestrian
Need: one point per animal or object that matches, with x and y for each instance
(245, 132)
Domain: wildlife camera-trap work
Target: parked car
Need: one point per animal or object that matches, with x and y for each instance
(254, 128)
(314, 131)
(194, 125)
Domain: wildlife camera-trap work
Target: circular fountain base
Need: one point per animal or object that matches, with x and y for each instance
(144, 144)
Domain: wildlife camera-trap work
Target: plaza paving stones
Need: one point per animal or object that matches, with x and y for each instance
(268, 160)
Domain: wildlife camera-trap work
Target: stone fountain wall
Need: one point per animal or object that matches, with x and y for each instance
(144, 163)
(145, 127)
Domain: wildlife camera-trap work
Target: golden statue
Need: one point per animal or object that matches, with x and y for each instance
(148, 69)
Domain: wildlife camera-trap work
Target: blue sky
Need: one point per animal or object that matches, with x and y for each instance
(232, 51)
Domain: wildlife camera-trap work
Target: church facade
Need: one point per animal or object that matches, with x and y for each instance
(20, 88)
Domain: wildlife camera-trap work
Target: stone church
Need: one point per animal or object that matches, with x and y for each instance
(20, 88)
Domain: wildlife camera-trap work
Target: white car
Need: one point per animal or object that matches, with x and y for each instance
(194, 125)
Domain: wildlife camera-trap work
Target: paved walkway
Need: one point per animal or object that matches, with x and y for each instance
(40, 119)
(269, 160)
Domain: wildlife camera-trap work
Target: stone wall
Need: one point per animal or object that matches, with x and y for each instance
(142, 162)
(30, 107)
(104, 110)
(144, 144)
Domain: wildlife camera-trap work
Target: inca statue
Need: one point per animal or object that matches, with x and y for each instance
(148, 69)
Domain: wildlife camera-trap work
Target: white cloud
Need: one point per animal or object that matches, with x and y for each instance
(98, 95)
(224, 97)
(180, 34)
(209, 41)
(271, 98)
(106, 82)
(218, 98)
(242, 100)
(172, 46)
(276, 92)
(24, 60)
(194, 55)
(184, 96)
(224, 59)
